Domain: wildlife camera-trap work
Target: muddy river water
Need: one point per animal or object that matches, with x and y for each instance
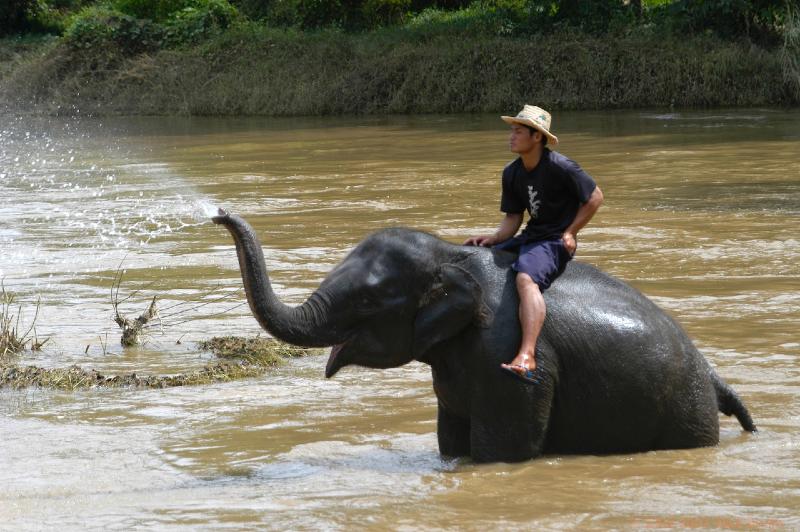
(701, 214)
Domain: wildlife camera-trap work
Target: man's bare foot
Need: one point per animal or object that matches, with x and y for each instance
(522, 364)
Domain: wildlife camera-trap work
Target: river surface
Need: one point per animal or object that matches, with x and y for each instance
(701, 214)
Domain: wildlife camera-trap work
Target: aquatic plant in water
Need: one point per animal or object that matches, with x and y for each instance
(12, 340)
(240, 358)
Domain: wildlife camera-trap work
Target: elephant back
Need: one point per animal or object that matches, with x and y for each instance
(621, 361)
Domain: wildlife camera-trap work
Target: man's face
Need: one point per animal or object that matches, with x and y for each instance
(522, 140)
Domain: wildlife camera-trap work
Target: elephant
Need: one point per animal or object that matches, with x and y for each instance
(615, 373)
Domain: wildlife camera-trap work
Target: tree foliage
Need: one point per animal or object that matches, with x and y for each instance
(727, 18)
(759, 20)
(16, 15)
(731, 18)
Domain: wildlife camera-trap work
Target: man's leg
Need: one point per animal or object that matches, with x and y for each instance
(532, 311)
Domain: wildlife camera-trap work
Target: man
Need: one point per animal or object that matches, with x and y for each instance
(561, 199)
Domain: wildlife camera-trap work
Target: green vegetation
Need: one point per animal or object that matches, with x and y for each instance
(266, 352)
(241, 358)
(293, 57)
(76, 378)
(14, 336)
(790, 53)
(756, 19)
(238, 358)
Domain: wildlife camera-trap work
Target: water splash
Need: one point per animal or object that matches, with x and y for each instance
(206, 210)
(76, 201)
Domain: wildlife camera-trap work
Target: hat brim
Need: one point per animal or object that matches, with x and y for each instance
(552, 139)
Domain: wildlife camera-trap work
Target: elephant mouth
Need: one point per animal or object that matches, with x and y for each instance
(335, 362)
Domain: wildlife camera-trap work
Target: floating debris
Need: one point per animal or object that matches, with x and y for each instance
(257, 350)
(242, 358)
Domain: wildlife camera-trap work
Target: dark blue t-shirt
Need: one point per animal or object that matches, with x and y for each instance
(552, 193)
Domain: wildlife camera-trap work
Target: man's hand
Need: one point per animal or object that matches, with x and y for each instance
(570, 242)
(481, 240)
(585, 213)
(508, 227)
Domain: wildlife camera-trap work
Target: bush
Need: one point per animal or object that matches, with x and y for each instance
(98, 26)
(377, 13)
(200, 20)
(350, 15)
(16, 15)
(155, 10)
(760, 20)
(36, 16)
(280, 13)
(499, 17)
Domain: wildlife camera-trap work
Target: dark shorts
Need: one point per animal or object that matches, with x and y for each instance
(543, 261)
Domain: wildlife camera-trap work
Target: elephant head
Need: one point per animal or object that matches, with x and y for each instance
(391, 300)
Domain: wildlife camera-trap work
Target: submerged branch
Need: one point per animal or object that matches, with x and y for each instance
(133, 330)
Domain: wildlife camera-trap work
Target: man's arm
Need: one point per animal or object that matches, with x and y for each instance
(585, 213)
(508, 228)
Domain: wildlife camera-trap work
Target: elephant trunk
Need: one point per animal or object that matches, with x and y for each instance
(305, 325)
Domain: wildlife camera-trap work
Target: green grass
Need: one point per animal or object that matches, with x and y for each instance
(250, 69)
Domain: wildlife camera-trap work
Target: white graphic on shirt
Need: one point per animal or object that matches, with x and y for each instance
(533, 203)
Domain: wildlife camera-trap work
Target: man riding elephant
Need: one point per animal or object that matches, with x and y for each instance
(614, 373)
(560, 199)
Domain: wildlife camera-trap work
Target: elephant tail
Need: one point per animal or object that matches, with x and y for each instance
(730, 404)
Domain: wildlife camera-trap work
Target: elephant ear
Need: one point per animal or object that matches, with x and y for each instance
(454, 301)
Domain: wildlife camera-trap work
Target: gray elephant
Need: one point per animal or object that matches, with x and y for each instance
(614, 373)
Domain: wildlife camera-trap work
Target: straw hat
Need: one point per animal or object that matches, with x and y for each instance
(535, 117)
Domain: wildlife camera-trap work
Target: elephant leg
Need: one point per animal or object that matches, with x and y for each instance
(453, 433)
(512, 426)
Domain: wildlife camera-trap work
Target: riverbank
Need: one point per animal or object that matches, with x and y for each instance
(250, 70)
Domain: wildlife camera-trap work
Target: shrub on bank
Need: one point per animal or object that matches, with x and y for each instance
(154, 10)
(97, 27)
(136, 26)
(199, 21)
(350, 15)
(20, 17)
